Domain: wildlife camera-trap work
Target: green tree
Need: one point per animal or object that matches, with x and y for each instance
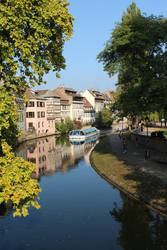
(32, 36)
(104, 119)
(65, 126)
(136, 52)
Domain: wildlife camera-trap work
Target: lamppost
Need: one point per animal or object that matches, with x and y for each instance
(147, 119)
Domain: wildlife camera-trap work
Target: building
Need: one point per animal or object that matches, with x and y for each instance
(36, 119)
(64, 105)
(89, 112)
(75, 101)
(109, 97)
(95, 98)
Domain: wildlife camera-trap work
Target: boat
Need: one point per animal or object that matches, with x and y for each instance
(83, 134)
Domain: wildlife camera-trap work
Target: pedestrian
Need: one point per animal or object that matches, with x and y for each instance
(124, 145)
(136, 139)
(147, 154)
(120, 134)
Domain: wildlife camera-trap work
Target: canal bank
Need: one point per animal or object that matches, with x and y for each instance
(143, 180)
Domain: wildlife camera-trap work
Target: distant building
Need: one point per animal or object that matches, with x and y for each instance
(36, 119)
(89, 112)
(52, 104)
(75, 101)
(95, 98)
(109, 97)
(64, 105)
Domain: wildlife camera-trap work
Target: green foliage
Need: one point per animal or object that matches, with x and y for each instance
(63, 141)
(8, 119)
(137, 52)
(65, 126)
(104, 119)
(32, 37)
(16, 184)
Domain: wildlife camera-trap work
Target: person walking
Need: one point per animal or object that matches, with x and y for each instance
(120, 134)
(124, 145)
(147, 154)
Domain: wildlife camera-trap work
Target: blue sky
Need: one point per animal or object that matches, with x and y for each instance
(94, 22)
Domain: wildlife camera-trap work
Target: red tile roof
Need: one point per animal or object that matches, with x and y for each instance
(86, 103)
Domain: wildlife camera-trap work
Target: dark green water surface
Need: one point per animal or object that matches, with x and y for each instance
(79, 209)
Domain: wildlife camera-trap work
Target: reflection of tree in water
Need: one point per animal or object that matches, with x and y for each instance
(140, 228)
(62, 140)
(5, 209)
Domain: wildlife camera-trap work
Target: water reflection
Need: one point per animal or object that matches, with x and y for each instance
(51, 154)
(140, 228)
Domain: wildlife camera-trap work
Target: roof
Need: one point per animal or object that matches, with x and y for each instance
(70, 89)
(41, 92)
(61, 95)
(96, 94)
(86, 103)
(110, 94)
(77, 95)
(31, 94)
(106, 98)
(50, 93)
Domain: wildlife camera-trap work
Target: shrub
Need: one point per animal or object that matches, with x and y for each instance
(65, 126)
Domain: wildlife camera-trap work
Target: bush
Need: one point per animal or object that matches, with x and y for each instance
(65, 126)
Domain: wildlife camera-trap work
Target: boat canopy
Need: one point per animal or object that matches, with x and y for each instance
(89, 130)
(83, 131)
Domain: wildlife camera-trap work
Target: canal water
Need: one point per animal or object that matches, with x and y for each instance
(79, 209)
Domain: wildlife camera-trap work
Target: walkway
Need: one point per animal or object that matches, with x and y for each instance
(135, 157)
(145, 180)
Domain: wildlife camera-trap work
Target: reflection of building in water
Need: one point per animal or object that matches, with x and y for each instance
(50, 157)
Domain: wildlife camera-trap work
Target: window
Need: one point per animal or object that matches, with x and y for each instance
(30, 114)
(42, 114)
(38, 114)
(30, 124)
(40, 104)
(32, 160)
(38, 124)
(30, 104)
(42, 124)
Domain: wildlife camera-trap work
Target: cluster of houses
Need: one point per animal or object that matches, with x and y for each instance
(46, 107)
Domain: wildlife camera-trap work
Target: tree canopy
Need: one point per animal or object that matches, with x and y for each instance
(137, 52)
(32, 36)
